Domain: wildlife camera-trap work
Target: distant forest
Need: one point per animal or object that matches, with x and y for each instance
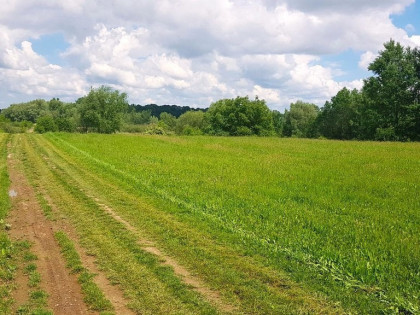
(387, 108)
(156, 110)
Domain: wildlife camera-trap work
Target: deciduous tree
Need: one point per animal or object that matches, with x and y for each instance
(102, 109)
(240, 116)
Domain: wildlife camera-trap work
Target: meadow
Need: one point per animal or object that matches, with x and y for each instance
(273, 225)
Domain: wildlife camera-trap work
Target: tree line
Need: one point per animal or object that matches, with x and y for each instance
(386, 108)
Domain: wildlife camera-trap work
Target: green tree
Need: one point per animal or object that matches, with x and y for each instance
(168, 120)
(300, 120)
(340, 117)
(278, 122)
(45, 124)
(102, 110)
(190, 123)
(240, 116)
(29, 111)
(64, 114)
(138, 118)
(393, 93)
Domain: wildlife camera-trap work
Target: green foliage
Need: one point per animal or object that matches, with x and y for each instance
(45, 124)
(340, 118)
(102, 110)
(8, 126)
(191, 122)
(29, 111)
(393, 93)
(132, 128)
(385, 134)
(65, 124)
(138, 118)
(154, 129)
(169, 120)
(240, 116)
(278, 122)
(300, 120)
(157, 110)
(387, 108)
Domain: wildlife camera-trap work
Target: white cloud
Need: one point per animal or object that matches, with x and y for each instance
(269, 95)
(173, 66)
(366, 59)
(191, 52)
(410, 28)
(22, 71)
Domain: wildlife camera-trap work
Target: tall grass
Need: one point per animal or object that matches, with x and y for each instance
(347, 209)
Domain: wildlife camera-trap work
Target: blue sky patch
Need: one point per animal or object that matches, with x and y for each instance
(345, 65)
(50, 46)
(411, 16)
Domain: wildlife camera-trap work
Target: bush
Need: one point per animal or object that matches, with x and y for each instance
(154, 129)
(191, 131)
(45, 124)
(239, 117)
(386, 134)
(191, 122)
(65, 124)
(133, 128)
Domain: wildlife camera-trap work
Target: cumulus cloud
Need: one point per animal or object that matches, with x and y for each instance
(190, 52)
(22, 71)
(366, 59)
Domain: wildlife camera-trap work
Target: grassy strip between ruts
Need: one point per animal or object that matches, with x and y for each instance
(240, 276)
(93, 296)
(151, 287)
(323, 203)
(38, 298)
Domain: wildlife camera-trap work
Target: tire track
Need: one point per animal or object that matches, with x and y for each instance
(29, 223)
(52, 173)
(112, 292)
(213, 296)
(148, 246)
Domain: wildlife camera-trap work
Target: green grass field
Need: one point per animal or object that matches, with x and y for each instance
(276, 226)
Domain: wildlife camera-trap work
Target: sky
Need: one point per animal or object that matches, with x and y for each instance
(191, 52)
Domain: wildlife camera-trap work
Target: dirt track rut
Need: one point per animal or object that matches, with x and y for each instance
(29, 223)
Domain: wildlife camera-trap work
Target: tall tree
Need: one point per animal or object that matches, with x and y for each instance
(278, 122)
(102, 109)
(300, 120)
(339, 118)
(393, 93)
